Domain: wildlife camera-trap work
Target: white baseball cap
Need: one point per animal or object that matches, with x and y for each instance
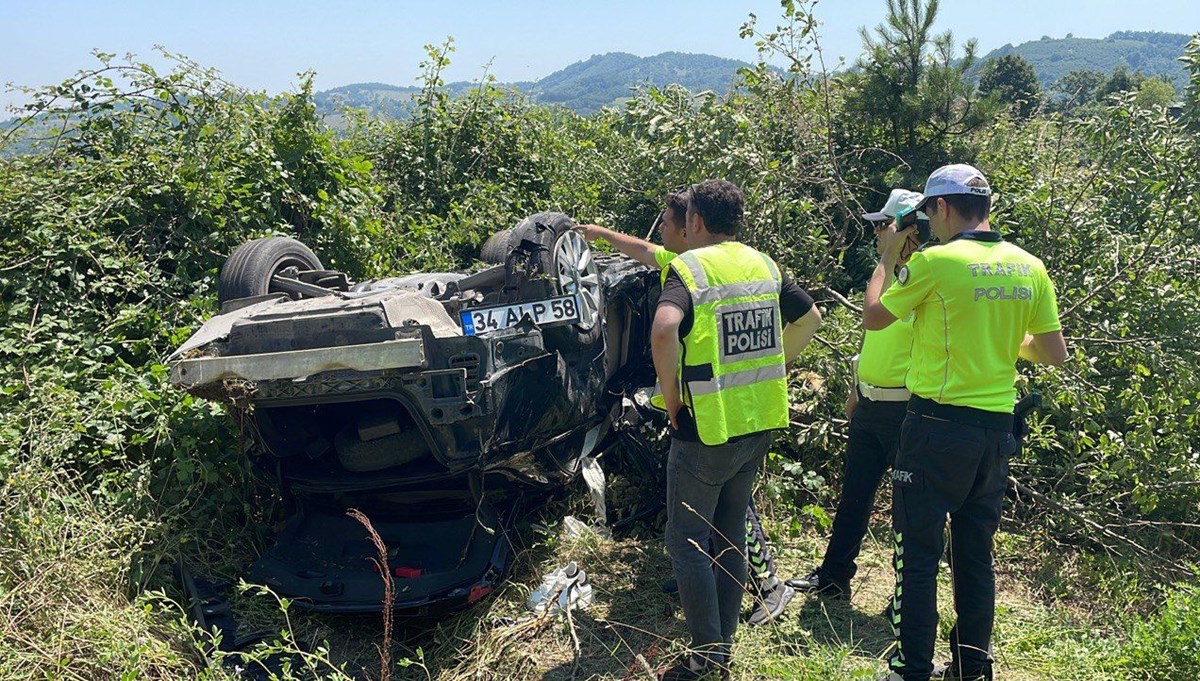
(957, 178)
(899, 198)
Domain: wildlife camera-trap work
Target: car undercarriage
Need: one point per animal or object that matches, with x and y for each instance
(440, 405)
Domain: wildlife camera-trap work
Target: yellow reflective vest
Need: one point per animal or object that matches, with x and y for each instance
(732, 371)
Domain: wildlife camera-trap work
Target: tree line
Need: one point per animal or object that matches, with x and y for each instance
(142, 181)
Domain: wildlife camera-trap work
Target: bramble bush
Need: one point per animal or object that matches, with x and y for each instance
(111, 236)
(113, 229)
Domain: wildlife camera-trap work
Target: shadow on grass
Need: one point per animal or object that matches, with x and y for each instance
(838, 624)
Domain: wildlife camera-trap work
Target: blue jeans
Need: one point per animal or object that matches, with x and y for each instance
(708, 489)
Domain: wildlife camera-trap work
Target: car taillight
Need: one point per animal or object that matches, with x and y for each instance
(478, 591)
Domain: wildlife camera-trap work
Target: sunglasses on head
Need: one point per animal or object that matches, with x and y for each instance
(660, 219)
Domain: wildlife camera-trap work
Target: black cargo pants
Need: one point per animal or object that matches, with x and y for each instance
(945, 468)
(874, 430)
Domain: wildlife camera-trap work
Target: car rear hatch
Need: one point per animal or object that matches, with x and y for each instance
(440, 560)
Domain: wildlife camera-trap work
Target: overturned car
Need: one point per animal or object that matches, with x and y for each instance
(441, 405)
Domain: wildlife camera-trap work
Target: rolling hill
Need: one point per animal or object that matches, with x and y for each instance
(1154, 54)
(607, 79)
(584, 86)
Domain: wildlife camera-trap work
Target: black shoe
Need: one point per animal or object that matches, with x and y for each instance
(818, 583)
(690, 668)
(951, 672)
(770, 604)
(669, 586)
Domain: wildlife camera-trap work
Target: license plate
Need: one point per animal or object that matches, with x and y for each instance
(549, 312)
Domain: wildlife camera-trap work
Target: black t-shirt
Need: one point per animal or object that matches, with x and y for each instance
(794, 303)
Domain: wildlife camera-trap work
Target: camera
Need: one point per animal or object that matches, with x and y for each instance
(907, 217)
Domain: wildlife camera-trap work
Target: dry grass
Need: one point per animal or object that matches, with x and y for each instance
(70, 609)
(634, 626)
(65, 605)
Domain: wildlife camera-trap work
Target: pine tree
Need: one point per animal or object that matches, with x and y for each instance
(1012, 80)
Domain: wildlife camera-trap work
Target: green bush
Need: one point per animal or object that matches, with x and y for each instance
(113, 231)
(1165, 645)
(111, 237)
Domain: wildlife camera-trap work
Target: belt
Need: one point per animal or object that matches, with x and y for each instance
(967, 416)
(877, 394)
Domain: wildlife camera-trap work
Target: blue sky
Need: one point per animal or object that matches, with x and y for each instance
(264, 44)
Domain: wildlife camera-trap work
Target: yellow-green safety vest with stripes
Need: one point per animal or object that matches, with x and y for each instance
(732, 371)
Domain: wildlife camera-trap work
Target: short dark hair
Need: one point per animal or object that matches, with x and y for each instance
(677, 204)
(720, 203)
(970, 206)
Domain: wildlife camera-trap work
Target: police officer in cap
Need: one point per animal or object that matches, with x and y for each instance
(876, 407)
(979, 303)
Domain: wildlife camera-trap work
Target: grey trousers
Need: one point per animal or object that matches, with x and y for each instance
(708, 489)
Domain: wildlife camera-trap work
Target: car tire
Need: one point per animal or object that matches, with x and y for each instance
(495, 250)
(562, 254)
(248, 270)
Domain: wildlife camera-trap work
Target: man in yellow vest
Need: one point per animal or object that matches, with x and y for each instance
(877, 404)
(720, 352)
(979, 304)
(772, 595)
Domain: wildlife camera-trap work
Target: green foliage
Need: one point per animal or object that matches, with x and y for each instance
(1165, 645)
(1012, 80)
(910, 94)
(1154, 93)
(112, 236)
(113, 231)
(70, 612)
(1155, 54)
(1191, 60)
(1077, 88)
(1105, 202)
(1120, 80)
(110, 241)
(1086, 93)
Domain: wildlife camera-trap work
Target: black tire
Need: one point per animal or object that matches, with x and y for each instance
(495, 250)
(248, 270)
(540, 234)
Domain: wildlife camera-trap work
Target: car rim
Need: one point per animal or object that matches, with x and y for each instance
(577, 273)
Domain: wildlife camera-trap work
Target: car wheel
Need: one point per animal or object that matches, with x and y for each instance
(576, 272)
(562, 254)
(248, 270)
(495, 249)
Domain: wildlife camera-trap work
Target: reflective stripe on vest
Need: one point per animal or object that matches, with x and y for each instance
(732, 371)
(737, 378)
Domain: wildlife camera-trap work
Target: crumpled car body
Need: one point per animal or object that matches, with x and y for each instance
(441, 405)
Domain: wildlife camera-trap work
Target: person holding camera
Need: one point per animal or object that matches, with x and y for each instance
(877, 404)
(977, 303)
